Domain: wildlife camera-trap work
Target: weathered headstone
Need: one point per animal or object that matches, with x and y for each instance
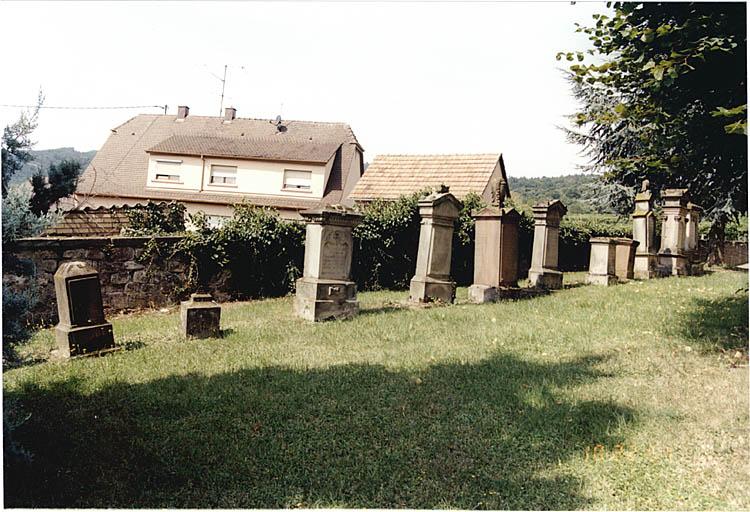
(692, 232)
(82, 329)
(672, 260)
(644, 228)
(625, 249)
(544, 257)
(495, 250)
(326, 290)
(200, 317)
(602, 262)
(432, 280)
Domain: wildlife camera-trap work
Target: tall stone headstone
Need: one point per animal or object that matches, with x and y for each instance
(644, 229)
(544, 257)
(625, 250)
(692, 221)
(326, 290)
(82, 329)
(432, 280)
(602, 262)
(200, 317)
(672, 260)
(495, 250)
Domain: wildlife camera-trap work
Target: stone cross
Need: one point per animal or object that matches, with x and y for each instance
(644, 228)
(602, 262)
(625, 250)
(543, 272)
(200, 317)
(82, 329)
(432, 278)
(495, 253)
(672, 260)
(326, 290)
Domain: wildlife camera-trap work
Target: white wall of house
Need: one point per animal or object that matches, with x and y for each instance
(170, 172)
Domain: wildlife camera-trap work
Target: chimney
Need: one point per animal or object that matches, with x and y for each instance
(229, 114)
(182, 112)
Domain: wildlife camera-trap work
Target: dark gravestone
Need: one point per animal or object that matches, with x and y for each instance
(82, 329)
(201, 317)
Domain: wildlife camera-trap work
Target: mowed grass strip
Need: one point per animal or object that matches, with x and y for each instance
(629, 397)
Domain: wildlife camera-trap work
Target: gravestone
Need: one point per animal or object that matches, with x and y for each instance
(326, 290)
(495, 250)
(200, 317)
(625, 250)
(82, 329)
(432, 280)
(602, 262)
(692, 236)
(544, 257)
(672, 260)
(644, 228)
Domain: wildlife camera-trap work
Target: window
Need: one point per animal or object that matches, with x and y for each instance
(297, 180)
(223, 175)
(168, 170)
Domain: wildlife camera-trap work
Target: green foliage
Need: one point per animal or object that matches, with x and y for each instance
(42, 159)
(17, 143)
(666, 99)
(60, 181)
(572, 190)
(156, 219)
(18, 219)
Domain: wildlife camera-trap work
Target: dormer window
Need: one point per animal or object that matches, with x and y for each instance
(223, 175)
(297, 180)
(168, 170)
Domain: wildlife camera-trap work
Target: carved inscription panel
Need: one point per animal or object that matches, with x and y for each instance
(336, 253)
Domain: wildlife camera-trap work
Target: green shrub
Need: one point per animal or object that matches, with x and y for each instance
(156, 219)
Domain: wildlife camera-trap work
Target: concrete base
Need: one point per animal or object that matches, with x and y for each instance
(672, 264)
(645, 266)
(601, 279)
(549, 279)
(429, 289)
(88, 340)
(325, 299)
(200, 317)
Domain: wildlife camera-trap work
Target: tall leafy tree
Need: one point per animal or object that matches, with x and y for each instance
(17, 143)
(60, 181)
(663, 97)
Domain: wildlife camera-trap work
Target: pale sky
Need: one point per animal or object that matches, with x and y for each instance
(408, 77)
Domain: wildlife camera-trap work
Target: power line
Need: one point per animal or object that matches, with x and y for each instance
(85, 108)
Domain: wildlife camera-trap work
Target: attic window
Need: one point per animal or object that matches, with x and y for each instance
(297, 180)
(223, 175)
(168, 170)
(167, 177)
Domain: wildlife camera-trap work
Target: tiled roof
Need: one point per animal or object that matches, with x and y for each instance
(120, 167)
(90, 222)
(252, 149)
(390, 176)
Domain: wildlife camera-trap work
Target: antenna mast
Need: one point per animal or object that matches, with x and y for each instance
(223, 84)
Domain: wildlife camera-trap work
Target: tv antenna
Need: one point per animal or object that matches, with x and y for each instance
(223, 80)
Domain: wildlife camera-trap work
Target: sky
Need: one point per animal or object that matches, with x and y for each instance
(410, 78)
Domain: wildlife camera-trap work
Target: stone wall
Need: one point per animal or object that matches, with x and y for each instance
(126, 283)
(735, 253)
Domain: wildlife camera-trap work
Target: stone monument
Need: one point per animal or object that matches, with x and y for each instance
(543, 272)
(495, 249)
(326, 290)
(672, 260)
(692, 237)
(82, 329)
(625, 250)
(602, 262)
(644, 227)
(432, 280)
(200, 317)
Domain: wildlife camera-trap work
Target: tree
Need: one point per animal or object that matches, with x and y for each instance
(60, 181)
(16, 143)
(666, 100)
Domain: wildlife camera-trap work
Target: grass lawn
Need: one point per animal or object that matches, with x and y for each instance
(628, 397)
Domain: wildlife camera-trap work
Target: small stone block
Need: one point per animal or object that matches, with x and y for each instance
(601, 279)
(551, 280)
(200, 317)
(430, 291)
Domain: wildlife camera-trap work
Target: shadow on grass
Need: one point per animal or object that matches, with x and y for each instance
(488, 435)
(717, 324)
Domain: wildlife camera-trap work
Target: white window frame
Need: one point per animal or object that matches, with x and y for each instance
(225, 175)
(169, 173)
(297, 183)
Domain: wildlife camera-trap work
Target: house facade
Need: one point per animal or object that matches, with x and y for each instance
(212, 163)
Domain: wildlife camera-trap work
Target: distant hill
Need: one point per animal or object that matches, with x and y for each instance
(46, 157)
(568, 189)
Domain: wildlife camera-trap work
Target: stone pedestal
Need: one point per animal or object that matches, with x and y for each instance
(671, 256)
(82, 329)
(692, 237)
(625, 250)
(495, 253)
(602, 262)
(200, 317)
(326, 290)
(432, 280)
(543, 271)
(644, 229)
